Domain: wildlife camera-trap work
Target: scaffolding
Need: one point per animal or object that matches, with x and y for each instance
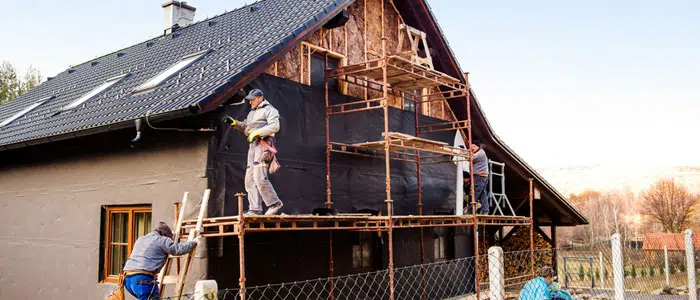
(398, 76)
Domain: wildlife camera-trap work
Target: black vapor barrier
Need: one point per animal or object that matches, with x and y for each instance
(357, 182)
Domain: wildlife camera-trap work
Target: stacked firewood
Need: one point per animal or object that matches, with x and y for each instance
(516, 249)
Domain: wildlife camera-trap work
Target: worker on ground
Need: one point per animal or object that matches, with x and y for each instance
(260, 126)
(480, 163)
(538, 288)
(148, 257)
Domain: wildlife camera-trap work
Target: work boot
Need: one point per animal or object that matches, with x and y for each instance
(252, 213)
(274, 209)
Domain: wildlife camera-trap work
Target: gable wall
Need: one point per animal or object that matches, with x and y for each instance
(358, 40)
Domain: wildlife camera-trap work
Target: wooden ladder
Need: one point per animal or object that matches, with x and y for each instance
(181, 274)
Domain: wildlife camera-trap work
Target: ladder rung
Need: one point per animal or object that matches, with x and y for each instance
(170, 279)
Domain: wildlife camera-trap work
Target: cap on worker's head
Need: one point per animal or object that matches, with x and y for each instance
(254, 94)
(164, 230)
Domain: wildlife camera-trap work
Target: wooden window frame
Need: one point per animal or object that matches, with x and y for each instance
(109, 210)
(307, 49)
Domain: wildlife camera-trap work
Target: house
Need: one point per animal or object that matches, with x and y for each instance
(92, 157)
(657, 241)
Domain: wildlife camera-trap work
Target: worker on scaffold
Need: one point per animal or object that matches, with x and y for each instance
(480, 163)
(260, 126)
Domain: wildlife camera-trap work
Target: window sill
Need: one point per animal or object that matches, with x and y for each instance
(111, 280)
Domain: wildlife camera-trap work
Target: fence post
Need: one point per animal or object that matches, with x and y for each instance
(618, 267)
(602, 270)
(206, 290)
(666, 271)
(690, 257)
(497, 282)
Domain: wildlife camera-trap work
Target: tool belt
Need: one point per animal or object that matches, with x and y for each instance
(269, 154)
(118, 294)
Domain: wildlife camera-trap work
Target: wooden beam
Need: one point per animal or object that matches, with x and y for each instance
(544, 235)
(364, 34)
(509, 234)
(554, 241)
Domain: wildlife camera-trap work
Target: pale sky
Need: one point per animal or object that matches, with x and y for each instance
(564, 83)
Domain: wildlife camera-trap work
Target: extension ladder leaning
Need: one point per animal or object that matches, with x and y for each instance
(181, 274)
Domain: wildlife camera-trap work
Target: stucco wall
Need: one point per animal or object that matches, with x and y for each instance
(51, 198)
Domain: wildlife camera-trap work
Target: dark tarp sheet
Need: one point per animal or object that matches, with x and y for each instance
(356, 182)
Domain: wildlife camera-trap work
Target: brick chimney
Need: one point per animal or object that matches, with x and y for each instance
(177, 13)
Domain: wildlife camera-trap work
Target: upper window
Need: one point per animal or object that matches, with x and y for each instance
(318, 69)
(183, 63)
(123, 225)
(25, 111)
(409, 99)
(103, 87)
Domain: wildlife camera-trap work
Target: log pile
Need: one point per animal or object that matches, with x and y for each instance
(516, 255)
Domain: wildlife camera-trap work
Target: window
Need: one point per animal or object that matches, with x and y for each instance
(439, 248)
(362, 252)
(123, 225)
(104, 86)
(313, 67)
(318, 71)
(183, 63)
(408, 100)
(25, 111)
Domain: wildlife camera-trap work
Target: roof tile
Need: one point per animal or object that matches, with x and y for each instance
(239, 40)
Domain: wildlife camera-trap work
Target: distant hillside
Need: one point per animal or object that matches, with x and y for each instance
(574, 180)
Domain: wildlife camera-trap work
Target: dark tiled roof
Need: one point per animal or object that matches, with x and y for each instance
(239, 40)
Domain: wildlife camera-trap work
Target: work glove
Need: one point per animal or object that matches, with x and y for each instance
(252, 136)
(231, 121)
(196, 241)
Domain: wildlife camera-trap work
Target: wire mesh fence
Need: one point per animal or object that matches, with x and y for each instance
(575, 272)
(372, 285)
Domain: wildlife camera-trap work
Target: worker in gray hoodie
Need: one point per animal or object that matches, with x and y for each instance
(260, 126)
(480, 163)
(148, 257)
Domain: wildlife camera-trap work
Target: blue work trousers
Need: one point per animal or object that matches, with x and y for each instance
(481, 193)
(141, 286)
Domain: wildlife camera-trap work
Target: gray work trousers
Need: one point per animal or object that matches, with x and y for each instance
(257, 185)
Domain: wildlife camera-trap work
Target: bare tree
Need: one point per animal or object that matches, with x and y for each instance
(669, 203)
(13, 85)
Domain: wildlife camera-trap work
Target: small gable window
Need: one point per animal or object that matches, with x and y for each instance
(25, 111)
(160, 78)
(96, 91)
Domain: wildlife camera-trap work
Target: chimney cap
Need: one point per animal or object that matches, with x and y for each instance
(180, 4)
